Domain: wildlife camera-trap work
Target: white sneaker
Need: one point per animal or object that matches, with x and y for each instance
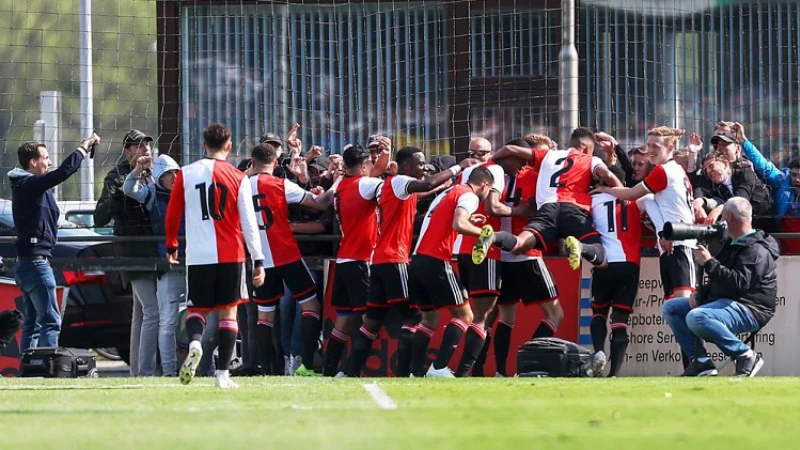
(499, 375)
(225, 382)
(189, 366)
(341, 375)
(444, 372)
(598, 364)
(287, 366)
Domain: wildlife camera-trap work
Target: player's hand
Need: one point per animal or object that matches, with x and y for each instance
(701, 254)
(172, 258)
(738, 132)
(605, 137)
(698, 210)
(385, 144)
(258, 276)
(713, 216)
(318, 190)
(666, 245)
(693, 300)
(468, 162)
(392, 168)
(478, 220)
(600, 190)
(314, 152)
(695, 143)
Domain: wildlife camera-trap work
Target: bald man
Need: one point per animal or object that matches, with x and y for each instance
(480, 149)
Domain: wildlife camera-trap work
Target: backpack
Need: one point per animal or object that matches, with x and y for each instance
(553, 357)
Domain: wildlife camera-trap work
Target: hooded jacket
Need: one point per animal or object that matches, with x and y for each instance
(744, 271)
(34, 208)
(155, 198)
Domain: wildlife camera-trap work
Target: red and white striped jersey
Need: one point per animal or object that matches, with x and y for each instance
(519, 189)
(217, 202)
(357, 211)
(396, 211)
(673, 195)
(565, 176)
(437, 234)
(464, 244)
(619, 223)
(271, 198)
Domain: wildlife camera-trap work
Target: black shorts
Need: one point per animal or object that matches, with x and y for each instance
(678, 271)
(432, 284)
(350, 286)
(212, 286)
(388, 284)
(482, 279)
(529, 281)
(615, 286)
(555, 221)
(296, 276)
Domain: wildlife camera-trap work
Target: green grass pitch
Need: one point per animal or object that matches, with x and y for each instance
(311, 414)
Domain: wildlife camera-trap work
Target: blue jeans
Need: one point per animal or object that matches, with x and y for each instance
(717, 322)
(170, 292)
(38, 285)
(290, 317)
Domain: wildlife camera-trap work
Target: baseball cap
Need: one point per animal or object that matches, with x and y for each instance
(321, 163)
(373, 141)
(271, 138)
(430, 168)
(726, 137)
(135, 137)
(443, 162)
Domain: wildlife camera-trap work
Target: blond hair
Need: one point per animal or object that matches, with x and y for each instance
(669, 135)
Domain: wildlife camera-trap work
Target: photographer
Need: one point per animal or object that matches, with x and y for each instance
(739, 297)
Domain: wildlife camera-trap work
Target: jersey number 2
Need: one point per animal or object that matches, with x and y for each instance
(208, 200)
(554, 180)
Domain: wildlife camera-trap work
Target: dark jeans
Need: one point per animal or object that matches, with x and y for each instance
(38, 285)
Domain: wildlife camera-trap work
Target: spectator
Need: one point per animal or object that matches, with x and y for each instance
(785, 185)
(171, 285)
(317, 169)
(35, 214)
(721, 183)
(380, 160)
(131, 219)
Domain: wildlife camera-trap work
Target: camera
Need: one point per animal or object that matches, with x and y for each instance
(681, 231)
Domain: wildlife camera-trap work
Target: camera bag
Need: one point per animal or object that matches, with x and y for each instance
(58, 362)
(553, 357)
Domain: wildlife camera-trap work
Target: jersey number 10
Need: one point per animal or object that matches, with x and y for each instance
(208, 200)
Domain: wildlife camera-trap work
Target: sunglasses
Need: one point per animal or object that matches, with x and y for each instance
(478, 152)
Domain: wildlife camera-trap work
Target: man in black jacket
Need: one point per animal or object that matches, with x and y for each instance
(131, 219)
(738, 298)
(35, 215)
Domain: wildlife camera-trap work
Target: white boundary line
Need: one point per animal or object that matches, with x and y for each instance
(380, 397)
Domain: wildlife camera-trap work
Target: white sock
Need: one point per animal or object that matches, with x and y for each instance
(222, 374)
(195, 344)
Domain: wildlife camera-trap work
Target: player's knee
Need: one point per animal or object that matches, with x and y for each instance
(311, 304)
(430, 319)
(620, 316)
(376, 315)
(508, 314)
(228, 313)
(463, 313)
(553, 312)
(266, 312)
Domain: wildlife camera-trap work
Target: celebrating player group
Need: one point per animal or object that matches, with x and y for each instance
(479, 250)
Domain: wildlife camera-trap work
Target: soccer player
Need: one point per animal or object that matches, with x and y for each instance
(483, 280)
(355, 203)
(432, 284)
(526, 277)
(283, 262)
(562, 200)
(673, 195)
(397, 205)
(216, 200)
(615, 284)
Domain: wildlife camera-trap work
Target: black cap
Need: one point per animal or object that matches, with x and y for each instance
(354, 155)
(726, 137)
(271, 138)
(135, 137)
(373, 141)
(430, 168)
(321, 163)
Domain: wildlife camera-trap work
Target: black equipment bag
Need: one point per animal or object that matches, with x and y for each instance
(553, 357)
(58, 362)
